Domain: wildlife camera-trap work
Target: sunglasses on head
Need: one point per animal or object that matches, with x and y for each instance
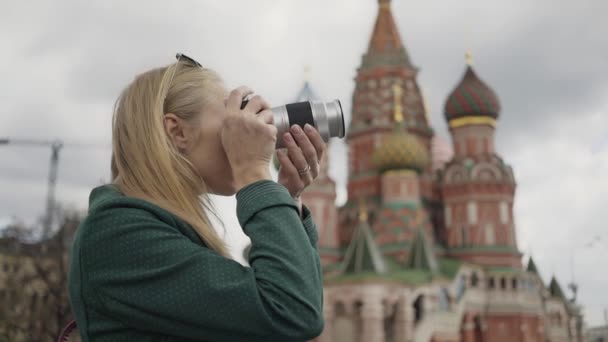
(181, 57)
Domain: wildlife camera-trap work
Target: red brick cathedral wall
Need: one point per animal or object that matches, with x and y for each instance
(504, 328)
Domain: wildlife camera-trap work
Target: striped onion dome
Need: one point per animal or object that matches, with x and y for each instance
(471, 97)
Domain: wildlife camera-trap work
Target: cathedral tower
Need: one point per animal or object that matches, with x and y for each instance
(477, 186)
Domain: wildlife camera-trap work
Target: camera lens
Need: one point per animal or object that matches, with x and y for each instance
(326, 117)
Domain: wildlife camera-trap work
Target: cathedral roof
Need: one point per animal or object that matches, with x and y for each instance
(385, 37)
(421, 255)
(555, 289)
(385, 46)
(306, 93)
(471, 97)
(532, 267)
(363, 255)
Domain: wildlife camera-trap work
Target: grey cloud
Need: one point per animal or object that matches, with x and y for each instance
(66, 62)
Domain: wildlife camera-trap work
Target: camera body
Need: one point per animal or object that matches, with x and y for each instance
(326, 117)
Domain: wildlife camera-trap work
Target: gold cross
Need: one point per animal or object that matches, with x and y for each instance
(398, 111)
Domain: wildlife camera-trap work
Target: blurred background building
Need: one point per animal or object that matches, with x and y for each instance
(597, 334)
(424, 248)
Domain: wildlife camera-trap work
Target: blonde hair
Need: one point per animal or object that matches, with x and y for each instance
(145, 163)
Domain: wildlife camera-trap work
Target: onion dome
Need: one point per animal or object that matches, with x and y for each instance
(400, 150)
(471, 97)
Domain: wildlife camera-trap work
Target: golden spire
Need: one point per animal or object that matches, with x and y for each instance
(307, 73)
(398, 111)
(468, 57)
(362, 210)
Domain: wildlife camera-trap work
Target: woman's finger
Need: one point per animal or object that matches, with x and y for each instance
(256, 104)
(307, 148)
(235, 98)
(266, 116)
(290, 170)
(298, 159)
(316, 140)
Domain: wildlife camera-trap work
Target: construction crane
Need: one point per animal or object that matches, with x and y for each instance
(56, 146)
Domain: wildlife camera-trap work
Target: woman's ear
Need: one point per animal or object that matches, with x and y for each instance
(176, 130)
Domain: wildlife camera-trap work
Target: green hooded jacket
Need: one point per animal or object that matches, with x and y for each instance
(140, 273)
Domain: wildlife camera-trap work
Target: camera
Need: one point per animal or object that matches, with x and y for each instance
(326, 117)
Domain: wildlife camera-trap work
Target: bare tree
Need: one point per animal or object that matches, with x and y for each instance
(35, 282)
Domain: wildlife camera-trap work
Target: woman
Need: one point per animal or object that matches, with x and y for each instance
(146, 265)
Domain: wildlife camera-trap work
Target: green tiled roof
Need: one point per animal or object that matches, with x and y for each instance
(555, 290)
(421, 255)
(532, 267)
(449, 267)
(363, 254)
(412, 277)
(497, 249)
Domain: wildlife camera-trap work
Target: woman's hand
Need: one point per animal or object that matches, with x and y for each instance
(300, 160)
(248, 139)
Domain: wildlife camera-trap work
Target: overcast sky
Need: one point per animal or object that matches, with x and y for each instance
(63, 63)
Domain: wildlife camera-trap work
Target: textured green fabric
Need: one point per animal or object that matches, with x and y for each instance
(139, 273)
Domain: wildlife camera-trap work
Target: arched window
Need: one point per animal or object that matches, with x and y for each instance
(418, 309)
(339, 309)
(491, 283)
(503, 283)
(514, 284)
(390, 322)
(474, 279)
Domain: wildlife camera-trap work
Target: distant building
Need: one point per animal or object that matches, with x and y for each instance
(424, 249)
(597, 334)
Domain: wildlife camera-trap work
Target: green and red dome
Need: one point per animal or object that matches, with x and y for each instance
(472, 97)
